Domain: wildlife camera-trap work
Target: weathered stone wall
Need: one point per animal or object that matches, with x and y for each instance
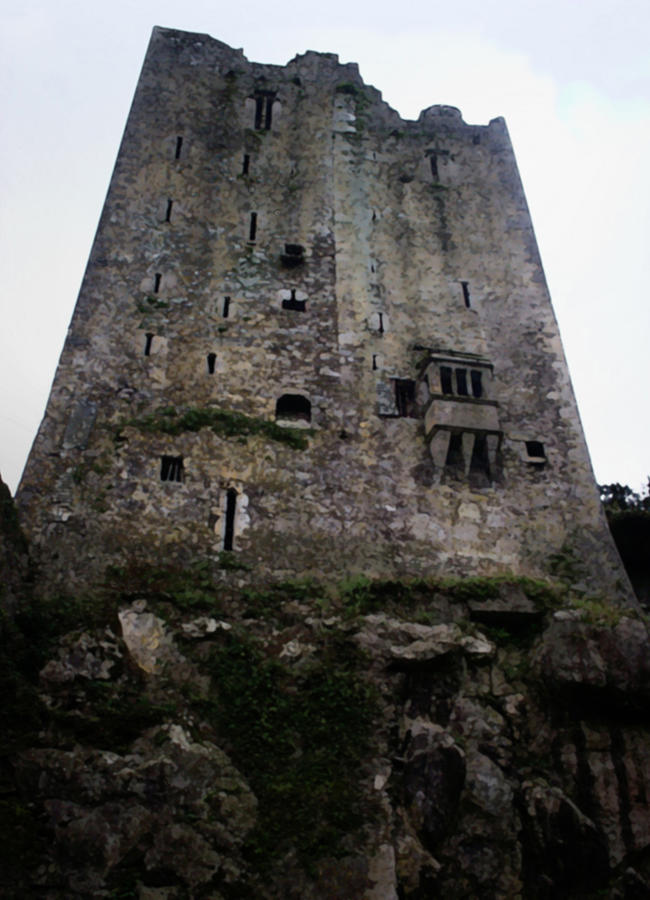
(419, 255)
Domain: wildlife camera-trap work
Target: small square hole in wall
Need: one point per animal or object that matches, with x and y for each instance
(294, 255)
(171, 468)
(535, 454)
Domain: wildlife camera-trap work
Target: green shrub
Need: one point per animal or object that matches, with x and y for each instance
(187, 587)
(299, 736)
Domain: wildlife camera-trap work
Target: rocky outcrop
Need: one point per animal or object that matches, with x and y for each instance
(182, 800)
(380, 741)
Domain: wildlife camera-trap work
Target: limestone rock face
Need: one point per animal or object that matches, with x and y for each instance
(379, 742)
(434, 777)
(596, 664)
(103, 806)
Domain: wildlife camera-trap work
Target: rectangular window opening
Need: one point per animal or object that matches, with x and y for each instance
(156, 282)
(225, 309)
(211, 360)
(148, 339)
(461, 382)
(433, 159)
(252, 231)
(179, 146)
(381, 323)
(171, 468)
(405, 397)
(477, 383)
(168, 214)
(246, 164)
(259, 111)
(229, 527)
(535, 448)
(445, 380)
(466, 298)
(374, 361)
(269, 112)
(536, 454)
(263, 110)
(293, 256)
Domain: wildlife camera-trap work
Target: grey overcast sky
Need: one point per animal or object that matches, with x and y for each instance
(571, 77)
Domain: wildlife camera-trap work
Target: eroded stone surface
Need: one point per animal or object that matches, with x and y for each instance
(479, 780)
(346, 266)
(383, 273)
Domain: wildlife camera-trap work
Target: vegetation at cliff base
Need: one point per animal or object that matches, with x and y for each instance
(299, 735)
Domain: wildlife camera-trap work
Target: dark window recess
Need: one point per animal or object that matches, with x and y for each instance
(263, 110)
(405, 397)
(168, 213)
(374, 361)
(171, 468)
(433, 159)
(477, 383)
(246, 164)
(455, 459)
(480, 463)
(381, 323)
(294, 255)
(465, 286)
(292, 303)
(461, 382)
(229, 526)
(260, 101)
(293, 406)
(445, 380)
(148, 339)
(476, 139)
(225, 309)
(252, 231)
(179, 147)
(535, 450)
(156, 282)
(211, 360)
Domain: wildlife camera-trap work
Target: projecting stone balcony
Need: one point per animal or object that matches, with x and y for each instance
(462, 414)
(463, 434)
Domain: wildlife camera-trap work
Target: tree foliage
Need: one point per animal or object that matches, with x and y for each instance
(617, 498)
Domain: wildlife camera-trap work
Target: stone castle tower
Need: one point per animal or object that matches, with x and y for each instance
(313, 334)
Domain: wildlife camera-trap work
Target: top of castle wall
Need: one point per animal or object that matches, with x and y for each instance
(194, 49)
